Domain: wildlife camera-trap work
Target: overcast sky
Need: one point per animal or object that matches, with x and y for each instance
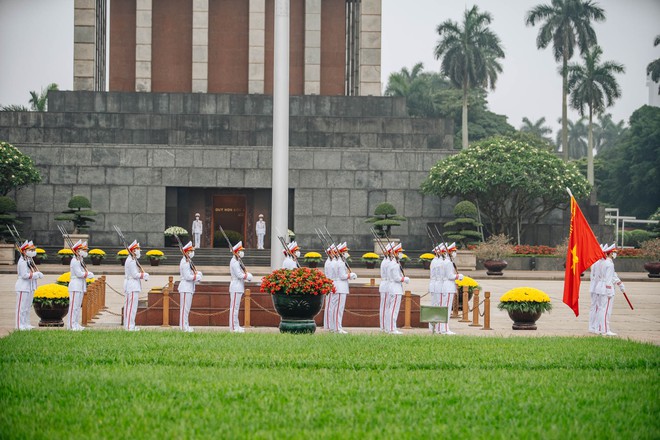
(36, 48)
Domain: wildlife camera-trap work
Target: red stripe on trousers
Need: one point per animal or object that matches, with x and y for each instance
(183, 308)
(392, 320)
(233, 307)
(73, 307)
(130, 313)
(605, 315)
(18, 315)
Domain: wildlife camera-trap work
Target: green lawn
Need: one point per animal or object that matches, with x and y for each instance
(152, 384)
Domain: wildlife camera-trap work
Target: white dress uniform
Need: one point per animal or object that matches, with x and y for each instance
(197, 228)
(594, 275)
(260, 229)
(605, 291)
(435, 285)
(236, 289)
(333, 300)
(133, 281)
(384, 290)
(25, 286)
(77, 288)
(289, 263)
(186, 291)
(448, 277)
(396, 280)
(327, 268)
(343, 274)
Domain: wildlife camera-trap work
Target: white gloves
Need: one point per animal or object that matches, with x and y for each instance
(198, 277)
(90, 275)
(406, 280)
(353, 276)
(622, 287)
(460, 277)
(37, 275)
(248, 277)
(145, 276)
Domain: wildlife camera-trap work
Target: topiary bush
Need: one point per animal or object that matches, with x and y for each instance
(79, 213)
(384, 218)
(464, 229)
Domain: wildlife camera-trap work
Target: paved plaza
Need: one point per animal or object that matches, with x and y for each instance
(640, 324)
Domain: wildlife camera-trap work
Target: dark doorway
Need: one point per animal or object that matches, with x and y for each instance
(229, 211)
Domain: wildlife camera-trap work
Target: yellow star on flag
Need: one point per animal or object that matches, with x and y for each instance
(575, 259)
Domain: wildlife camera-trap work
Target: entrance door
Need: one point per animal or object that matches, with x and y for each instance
(229, 211)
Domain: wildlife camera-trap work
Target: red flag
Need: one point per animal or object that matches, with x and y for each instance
(583, 251)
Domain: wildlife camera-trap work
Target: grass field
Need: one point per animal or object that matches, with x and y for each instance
(152, 384)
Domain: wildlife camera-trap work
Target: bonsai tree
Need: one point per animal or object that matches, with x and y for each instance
(495, 248)
(384, 218)
(463, 230)
(16, 169)
(79, 213)
(7, 218)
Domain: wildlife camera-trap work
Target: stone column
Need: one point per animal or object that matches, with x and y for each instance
(143, 46)
(257, 42)
(84, 33)
(370, 43)
(200, 53)
(312, 47)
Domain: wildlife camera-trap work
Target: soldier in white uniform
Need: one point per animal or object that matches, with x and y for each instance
(197, 228)
(448, 277)
(594, 275)
(237, 286)
(384, 286)
(291, 256)
(396, 279)
(77, 285)
(342, 274)
(435, 282)
(189, 277)
(607, 278)
(261, 231)
(327, 271)
(26, 284)
(133, 275)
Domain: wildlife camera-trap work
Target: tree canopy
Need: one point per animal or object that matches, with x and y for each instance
(16, 169)
(512, 182)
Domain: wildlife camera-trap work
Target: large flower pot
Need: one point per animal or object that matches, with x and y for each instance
(495, 267)
(66, 260)
(96, 261)
(524, 320)
(426, 264)
(51, 316)
(122, 261)
(154, 261)
(370, 264)
(653, 269)
(312, 264)
(297, 312)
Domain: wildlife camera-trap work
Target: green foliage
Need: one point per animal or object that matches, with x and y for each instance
(220, 242)
(39, 101)
(463, 229)
(384, 218)
(653, 68)
(509, 181)
(16, 169)
(79, 213)
(636, 237)
(525, 306)
(155, 384)
(7, 217)
(496, 247)
(538, 128)
(630, 177)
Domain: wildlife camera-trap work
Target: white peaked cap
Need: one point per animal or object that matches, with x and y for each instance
(237, 247)
(77, 245)
(188, 247)
(610, 248)
(133, 245)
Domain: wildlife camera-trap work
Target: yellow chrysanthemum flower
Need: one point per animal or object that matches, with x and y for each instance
(371, 256)
(467, 281)
(96, 252)
(312, 255)
(51, 291)
(427, 256)
(525, 294)
(154, 253)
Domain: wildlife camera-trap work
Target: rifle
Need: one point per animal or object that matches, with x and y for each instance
(380, 245)
(324, 243)
(70, 243)
(231, 249)
(123, 241)
(17, 242)
(286, 249)
(339, 253)
(188, 260)
(434, 241)
(448, 253)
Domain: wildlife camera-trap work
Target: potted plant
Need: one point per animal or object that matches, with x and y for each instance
(297, 297)
(493, 251)
(426, 259)
(80, 213)
(41, 256)
(525, 306)
(171, 232)
(370, 259)
(468, 282)
(312, 259)
(96, 255)
(651, 251)
(51, 304)
(403, 259)
(122, 255)
(384, 218)
(65, 256)
(65, 278)
(7, 218)
(464, 228)
(155, 256)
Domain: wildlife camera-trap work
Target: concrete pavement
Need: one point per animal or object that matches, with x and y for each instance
(640, 324)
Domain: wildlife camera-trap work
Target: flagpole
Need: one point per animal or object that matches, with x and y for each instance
(569, 192)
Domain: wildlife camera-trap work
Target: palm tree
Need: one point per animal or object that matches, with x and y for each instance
(577, 138)
(399, 83)
(537, 128)
(567, 23)
(470, 54)
(39, 102)
(653, 68)
(607, 133)
(592, 85)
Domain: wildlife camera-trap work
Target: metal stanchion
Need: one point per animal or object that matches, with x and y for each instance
(372, 282)
(454, 307)
(466, 306)
(246, 306)
(486, 312)
(407, 309)
(475, 309)
(103, 292)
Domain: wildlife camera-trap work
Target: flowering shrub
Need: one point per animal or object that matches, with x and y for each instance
(41, 253)
(469, 282)
(525, 249)
(650, 249)
(312, 257)
(49, 295)
(634, 252)
(370, 256)
(301, 281)
(426, 257)
(64, 253)
(403, 258)
(65, 278)
(495, 248)
(525, 299)
(122, 254)
(97, 253)
(155, 254)
(16, 169)
(172, 230)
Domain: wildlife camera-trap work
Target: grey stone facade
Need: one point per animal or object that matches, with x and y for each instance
(123, 150)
